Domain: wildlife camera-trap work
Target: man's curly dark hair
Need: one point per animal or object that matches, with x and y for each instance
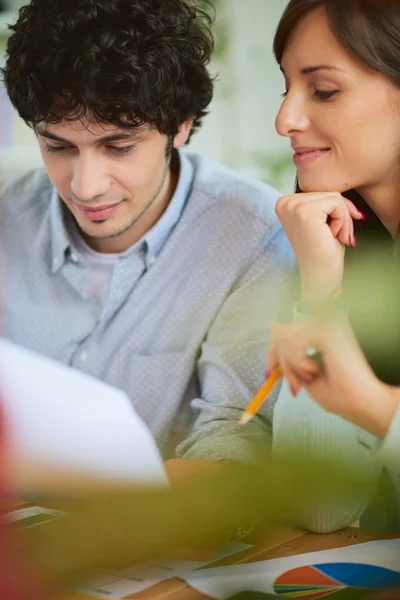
(121, 62)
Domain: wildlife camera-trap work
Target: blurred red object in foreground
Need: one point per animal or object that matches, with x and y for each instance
(19, 580)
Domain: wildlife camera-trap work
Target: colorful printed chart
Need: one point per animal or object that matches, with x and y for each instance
(316, 581)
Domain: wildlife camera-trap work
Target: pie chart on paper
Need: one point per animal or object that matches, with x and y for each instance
(320, 581)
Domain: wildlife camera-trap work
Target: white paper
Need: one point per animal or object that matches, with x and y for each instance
(117, 584)
(25, 515)
(62, 422)
(222, 582)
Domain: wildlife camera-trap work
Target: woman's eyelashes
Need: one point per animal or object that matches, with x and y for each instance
(322, 95)
(325, 95)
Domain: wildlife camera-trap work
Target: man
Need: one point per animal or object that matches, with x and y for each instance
(155, 271)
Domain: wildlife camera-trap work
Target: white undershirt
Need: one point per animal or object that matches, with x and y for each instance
(100, 268)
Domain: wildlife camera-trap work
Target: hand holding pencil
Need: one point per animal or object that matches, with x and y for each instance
(273, 378)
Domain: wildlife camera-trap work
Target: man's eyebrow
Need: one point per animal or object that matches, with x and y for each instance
(114, 137)
(314, 68)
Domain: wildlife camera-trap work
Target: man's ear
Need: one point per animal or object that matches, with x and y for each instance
(183, 133)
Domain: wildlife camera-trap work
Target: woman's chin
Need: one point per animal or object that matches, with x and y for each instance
(308, 185)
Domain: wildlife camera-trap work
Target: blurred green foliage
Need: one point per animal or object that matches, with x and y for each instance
(109, 529)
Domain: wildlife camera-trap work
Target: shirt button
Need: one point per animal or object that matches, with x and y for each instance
(56, 262)
(74, 257)
(152, 260)
(84, 356)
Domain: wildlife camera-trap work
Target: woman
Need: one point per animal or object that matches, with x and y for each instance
(341, 63)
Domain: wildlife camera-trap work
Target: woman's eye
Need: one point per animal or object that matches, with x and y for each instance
(321, 95)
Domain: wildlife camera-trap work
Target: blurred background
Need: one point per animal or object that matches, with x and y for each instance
(239, 131)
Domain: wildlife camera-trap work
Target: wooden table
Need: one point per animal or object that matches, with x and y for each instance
(284, 541)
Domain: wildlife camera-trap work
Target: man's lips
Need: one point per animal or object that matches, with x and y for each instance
(98, 213)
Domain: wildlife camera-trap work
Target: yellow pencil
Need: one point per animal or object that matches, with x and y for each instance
(259, 399)
(254, 406)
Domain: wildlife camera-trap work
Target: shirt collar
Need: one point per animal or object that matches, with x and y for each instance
(153, 240)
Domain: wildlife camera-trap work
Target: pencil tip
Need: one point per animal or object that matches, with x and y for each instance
(245, 418)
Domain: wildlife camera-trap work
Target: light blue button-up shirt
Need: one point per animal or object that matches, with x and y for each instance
(184, 331)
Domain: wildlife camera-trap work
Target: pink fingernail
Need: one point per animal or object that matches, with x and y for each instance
(353, 241)
(294, 391)
(267, 373)
(363, 217)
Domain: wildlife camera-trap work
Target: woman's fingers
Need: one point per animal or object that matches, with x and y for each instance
(340, 222)
(355, 214)
(295, 382)
(300, 372)
(346, 234)
(340, 212)
(288, 350)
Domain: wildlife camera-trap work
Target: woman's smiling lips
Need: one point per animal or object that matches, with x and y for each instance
(306, 154)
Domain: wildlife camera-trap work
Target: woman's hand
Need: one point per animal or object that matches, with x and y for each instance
(342, 382)
(319, 226)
